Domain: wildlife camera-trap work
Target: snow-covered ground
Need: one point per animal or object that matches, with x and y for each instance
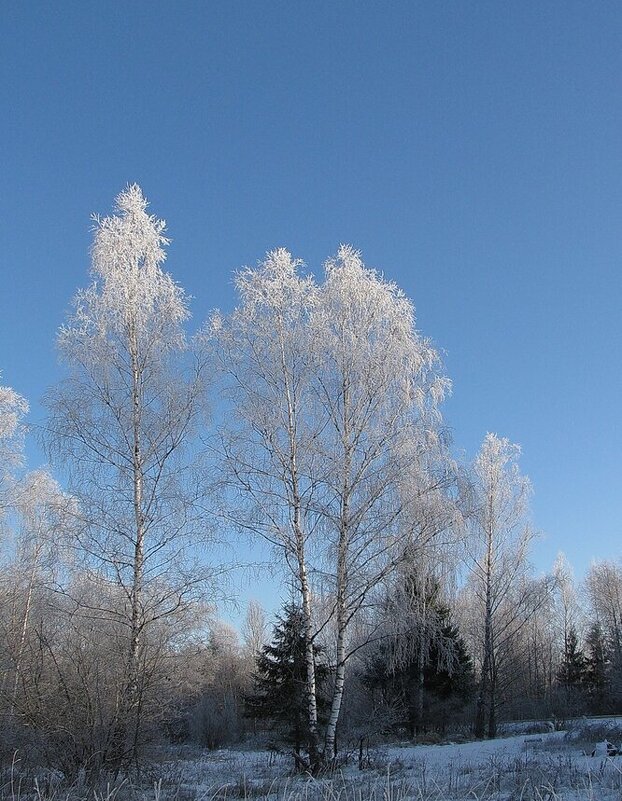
(551, 766)
(542, 767)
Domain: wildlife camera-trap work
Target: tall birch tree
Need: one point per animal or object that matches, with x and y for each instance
(496, 553)
(336, 400)
(378, 386)
(121, 423)
(265, 351)
(13, 408)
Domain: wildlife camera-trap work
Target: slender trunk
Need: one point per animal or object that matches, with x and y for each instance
(342, 585)
(421, 653)
(486, 697)
(126, 736)
(139, 553)
(492, 709)
(312, 721)
(482, 697)
(335, 707)
(23, 632)
(305, 589)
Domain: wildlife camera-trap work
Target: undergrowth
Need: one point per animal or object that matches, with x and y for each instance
(536, 774)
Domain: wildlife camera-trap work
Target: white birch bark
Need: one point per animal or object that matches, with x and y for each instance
(266, 358)
(379, 386)
(123, 421)
(336, 397)
(496, 554)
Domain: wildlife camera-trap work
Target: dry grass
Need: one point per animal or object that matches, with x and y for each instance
(548, 773)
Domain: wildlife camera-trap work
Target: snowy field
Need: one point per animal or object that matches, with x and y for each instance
(520, 767)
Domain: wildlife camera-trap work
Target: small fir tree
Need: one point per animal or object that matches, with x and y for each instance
(596, 670)
(572, 674)
(572, 671)
(424, 699)
(280, 680)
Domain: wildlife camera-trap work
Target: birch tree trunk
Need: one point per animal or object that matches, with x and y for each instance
(136, 596)
(336, 395)
(497, 550)
(341, 621)
(305, 590)
(122, 421)
(21, 644)
(341, 612)
(312, 719)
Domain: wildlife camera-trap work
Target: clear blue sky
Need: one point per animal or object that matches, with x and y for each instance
(471, 150)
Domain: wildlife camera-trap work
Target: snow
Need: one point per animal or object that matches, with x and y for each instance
(547, 766)
(552, 766)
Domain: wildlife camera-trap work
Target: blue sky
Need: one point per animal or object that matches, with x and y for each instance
(471, 150)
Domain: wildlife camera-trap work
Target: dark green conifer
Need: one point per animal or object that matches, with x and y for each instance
(596, 670)
(279, 683)
(448, 676)
(572, 671)
(571, 677)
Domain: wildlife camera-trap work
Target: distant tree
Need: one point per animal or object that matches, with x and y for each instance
(425, 672)
(604, 589)
(13, 408)
(254, 629)
(566, 607)
(572, 674)
(535, 662)
(503, 598)
(217, 711)
(44, 519)
(596, 669)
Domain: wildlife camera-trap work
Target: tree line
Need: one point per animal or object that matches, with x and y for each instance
(309, 416)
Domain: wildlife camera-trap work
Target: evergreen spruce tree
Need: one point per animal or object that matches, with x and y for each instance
(572, 671)
(596, 670)
(571, 675)
(448, 676)
(448, 691)
(279, 693)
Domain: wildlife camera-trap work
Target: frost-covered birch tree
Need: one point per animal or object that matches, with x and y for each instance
(268, 357)
(35, 516)
(42, 520)
(378, 386)
(336, 401)
(13, 408)
(121, 423)
(497, 551)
